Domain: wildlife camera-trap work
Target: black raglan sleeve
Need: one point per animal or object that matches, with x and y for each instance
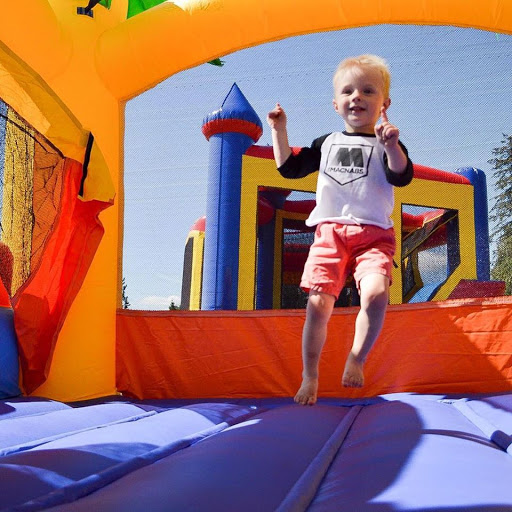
(402, 179)
(306, 161)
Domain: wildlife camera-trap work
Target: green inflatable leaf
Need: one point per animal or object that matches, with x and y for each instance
(137, 6)
(216, 62)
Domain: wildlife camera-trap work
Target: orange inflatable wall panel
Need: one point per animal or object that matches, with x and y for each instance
(440, 347)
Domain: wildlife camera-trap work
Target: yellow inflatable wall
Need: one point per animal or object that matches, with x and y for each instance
(68, 74)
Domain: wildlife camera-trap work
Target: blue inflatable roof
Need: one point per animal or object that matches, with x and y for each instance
(235, 106)
(390, 453)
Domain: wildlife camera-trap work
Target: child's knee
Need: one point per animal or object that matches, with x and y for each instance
(320, 304)
(379, 299)
(374, 290)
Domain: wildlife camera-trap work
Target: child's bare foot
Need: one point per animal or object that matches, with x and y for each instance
(353, 376)
(307, 392)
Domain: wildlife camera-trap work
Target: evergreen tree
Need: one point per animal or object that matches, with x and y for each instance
(501, 212)
(124, 297)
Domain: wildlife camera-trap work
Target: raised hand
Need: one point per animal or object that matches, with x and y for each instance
(386, 132)
(276, 118)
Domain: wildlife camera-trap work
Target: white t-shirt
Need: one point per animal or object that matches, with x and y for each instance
(355, 184)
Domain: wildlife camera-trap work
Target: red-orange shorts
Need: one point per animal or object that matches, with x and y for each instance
(339, 250)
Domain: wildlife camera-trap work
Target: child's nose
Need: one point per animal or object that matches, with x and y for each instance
(356, 95)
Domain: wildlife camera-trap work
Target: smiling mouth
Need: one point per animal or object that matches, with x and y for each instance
(356, 110)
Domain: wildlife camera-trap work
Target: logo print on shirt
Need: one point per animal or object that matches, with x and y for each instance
(347, 163)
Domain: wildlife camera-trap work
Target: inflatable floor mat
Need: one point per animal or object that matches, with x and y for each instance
(400, 452)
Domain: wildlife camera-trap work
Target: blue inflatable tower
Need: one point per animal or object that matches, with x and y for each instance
(231, 130)
(479, 182)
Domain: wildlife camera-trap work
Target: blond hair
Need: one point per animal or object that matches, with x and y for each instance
(366, 61)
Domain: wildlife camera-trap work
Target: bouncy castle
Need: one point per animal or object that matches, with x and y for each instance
(257, 241)
(110, 409)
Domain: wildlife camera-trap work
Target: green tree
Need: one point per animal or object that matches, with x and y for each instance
(501, 212)
(124, 297)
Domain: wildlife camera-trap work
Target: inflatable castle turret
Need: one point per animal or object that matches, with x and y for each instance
(231, 130)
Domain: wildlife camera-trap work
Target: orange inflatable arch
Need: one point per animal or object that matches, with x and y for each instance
(69, 75)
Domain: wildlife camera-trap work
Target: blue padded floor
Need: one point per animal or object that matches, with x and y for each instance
(400, 452)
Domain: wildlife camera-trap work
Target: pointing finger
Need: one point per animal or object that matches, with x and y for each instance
(384, 115)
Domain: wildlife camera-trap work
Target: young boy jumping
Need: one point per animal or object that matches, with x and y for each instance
(358, 168)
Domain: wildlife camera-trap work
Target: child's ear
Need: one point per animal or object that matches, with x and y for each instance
(335, 105)
(387, 103)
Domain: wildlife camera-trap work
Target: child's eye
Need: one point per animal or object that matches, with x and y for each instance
(346, 91)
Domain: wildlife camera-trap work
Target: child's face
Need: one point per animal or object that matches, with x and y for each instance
(359, 97)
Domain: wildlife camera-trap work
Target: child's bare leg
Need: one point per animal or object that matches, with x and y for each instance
(318, 312)
(374, 291)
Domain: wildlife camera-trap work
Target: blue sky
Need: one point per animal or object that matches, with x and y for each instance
(451, 98)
